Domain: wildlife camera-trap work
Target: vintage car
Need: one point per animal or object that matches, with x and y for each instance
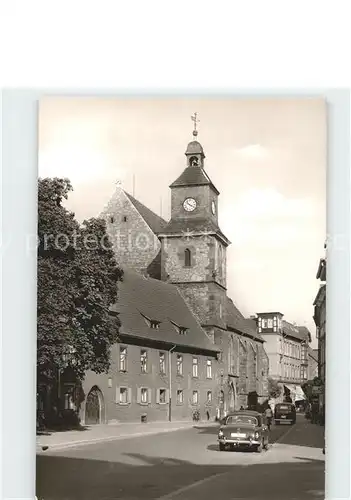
(285, 412)
(243, 428)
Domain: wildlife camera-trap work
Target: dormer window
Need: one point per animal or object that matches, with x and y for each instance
(187, 257)
(155, 325)
(182, 330)
(152, 323)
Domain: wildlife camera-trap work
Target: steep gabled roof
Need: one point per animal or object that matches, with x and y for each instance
(236, 321)
(141, 298)
(154, 221)
(193, 176)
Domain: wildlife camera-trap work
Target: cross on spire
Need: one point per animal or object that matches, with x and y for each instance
(196, 121)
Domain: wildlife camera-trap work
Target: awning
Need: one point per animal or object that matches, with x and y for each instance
(296, 392)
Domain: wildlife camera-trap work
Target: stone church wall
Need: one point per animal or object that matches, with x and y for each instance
(134, 243)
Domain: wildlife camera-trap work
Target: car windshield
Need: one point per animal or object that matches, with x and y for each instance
(241, 419)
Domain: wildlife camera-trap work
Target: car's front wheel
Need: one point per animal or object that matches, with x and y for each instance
(221, 447)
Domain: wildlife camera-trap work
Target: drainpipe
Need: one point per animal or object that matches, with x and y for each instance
(170, 382)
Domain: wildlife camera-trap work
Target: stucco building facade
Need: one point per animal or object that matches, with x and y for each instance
(287, 347)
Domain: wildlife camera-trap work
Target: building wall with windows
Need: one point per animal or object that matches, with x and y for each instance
(286, 346)
(138, 383)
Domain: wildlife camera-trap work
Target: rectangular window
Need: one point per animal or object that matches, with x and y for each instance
(209, 397)
(155, 325)
(123, 359)
(143, 361)
(195, 398)
(179, 364)
(123, 395)
(180, 396)
(195, 367)
(209, 369)
(144, 395)
(162, 397)
(162, 362)
(270, 323)
(264, 323)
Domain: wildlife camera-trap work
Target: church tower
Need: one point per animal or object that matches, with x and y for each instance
(193, 252)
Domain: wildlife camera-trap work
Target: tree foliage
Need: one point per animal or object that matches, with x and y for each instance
(274, 390)
(77, 283)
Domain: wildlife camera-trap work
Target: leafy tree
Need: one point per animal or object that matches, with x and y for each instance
(274, 390)
(77, 283)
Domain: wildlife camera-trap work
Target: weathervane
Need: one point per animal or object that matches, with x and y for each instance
(196, 121)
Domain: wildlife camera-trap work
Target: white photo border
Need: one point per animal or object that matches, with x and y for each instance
(19, 263)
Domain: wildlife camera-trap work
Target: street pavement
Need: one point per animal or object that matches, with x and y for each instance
(185, 465)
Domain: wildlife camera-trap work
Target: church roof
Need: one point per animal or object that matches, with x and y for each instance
(194, 147)
(154, 221)
(194, 225)
(193, 176)
(236, 321)
(140, 298)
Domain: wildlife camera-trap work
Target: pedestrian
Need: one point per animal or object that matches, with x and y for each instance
(241, 407)
(208, 415)
(269, 416)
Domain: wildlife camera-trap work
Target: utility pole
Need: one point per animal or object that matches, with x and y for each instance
(170, 382)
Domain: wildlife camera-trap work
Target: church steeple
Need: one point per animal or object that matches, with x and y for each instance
(194, 152)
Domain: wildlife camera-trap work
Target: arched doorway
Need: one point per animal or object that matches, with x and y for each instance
(94, 407)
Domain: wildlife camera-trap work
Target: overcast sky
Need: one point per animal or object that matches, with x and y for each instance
(267, 157)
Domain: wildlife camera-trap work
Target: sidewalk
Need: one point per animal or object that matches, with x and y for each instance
(110, 432)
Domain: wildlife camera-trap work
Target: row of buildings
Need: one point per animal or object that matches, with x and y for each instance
(319, 317)
(184, 345)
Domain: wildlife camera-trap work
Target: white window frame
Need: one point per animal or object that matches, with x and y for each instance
(180, 400)
(195, 367)
(127, 391)
(209, 368)
(158, 396)
(195, 392)
(143, 356)
(123, 358)
(162, 362)
(179, 365)
(269, 323)
(144, 395)
(209, 400)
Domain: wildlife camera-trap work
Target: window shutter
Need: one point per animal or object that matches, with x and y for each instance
(138, 395)
(129, 395)
(158, 396)
(149, 395)
(117, 394)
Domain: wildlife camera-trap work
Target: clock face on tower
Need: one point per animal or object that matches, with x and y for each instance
(213, 208)
(189, 204)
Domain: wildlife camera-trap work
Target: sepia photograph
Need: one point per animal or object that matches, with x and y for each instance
(181, 300)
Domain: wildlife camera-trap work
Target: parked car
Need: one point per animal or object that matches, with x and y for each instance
(285, 412)
(243, 428)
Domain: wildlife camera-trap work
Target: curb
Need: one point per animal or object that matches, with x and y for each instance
(86, 442)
